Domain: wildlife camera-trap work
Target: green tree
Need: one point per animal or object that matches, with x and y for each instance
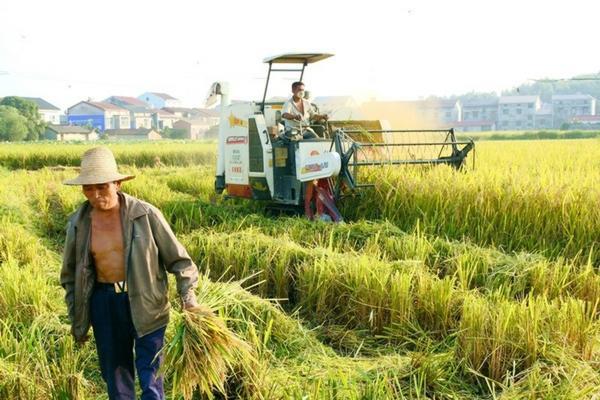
(13, 125)
(29, 110)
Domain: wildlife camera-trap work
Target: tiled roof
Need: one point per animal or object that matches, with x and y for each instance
(131, 100)
(164, 113)
(571, 97)
(482, 103)
(103, 105)
(163, 96)
(177, 109)
(41, 103)
(69, 129)
(517, 99)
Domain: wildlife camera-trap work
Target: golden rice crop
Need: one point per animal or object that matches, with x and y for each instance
(441, 284)
(202, 353)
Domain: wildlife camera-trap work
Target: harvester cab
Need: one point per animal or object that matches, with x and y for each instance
(257, 159)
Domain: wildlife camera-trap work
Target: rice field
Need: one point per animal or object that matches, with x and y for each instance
(481, 284)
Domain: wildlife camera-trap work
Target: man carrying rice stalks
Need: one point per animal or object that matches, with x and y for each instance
(118, 251)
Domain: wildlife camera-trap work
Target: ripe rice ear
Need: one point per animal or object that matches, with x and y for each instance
(204, 354)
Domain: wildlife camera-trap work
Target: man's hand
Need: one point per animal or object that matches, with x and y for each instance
(82, 341)
(189, 300)
(190, 306)
(79, 341)
(298, 117)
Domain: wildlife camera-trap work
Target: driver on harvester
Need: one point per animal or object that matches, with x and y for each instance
(298, 113)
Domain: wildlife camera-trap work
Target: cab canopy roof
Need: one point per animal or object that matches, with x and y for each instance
(297, 58)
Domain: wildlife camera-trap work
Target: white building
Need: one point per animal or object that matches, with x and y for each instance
(480, 125)
(567, 106)
(480, 110)
(159, 100)
(197, 126)
(209, 117)
(162, 119)
(517, 112)
(140, 114)
(544, 117)
(64, 133)
(48, 112)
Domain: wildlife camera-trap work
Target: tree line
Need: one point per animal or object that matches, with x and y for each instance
(20, 120)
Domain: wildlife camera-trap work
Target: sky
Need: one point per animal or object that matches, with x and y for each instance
(68, 51)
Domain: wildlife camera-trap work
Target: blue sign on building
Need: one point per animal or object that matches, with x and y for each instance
(95, 121)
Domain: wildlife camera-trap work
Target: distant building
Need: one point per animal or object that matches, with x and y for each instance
(159, 100)
(517, 112)
(480, 110)
(567, 106)
(162, 119)
(193, 113)
(69, 132)
(99, 115)
(585, 122)
(442, 113)
(209, 116)
(181, 112)
(586, 119)
(543, 117)
(193, 128)
(339, 108)
(195, 121)
(480, 125)
(478, 116)
(48, 113)
(132, 134)
(140, 115)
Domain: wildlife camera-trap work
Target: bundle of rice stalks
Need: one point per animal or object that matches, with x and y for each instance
(206, 357)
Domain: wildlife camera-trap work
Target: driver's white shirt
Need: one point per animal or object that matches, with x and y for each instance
(290, 107)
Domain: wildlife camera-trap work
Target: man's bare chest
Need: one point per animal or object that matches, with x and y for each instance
(107, 238)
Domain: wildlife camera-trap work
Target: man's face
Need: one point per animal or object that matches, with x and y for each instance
(298, 91)
(102, 196)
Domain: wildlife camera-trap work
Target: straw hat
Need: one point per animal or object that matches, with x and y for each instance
(98, 165)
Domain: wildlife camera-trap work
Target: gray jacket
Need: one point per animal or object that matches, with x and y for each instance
(151, 249)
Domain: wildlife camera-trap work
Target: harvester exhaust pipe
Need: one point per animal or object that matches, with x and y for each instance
(220, 89)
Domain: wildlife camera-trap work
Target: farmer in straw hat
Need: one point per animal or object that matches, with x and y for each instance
(117, 254)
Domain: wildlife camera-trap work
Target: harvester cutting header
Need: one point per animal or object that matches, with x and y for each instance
(261, 157)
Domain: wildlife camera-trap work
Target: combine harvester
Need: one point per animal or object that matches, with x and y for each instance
(258, 160)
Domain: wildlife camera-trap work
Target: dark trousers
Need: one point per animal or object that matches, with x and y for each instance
(116, 341)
